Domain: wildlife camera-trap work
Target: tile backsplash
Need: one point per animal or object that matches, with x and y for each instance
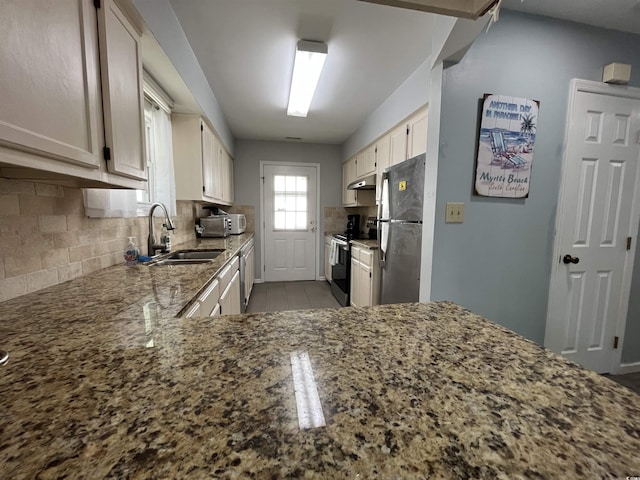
(46, 239)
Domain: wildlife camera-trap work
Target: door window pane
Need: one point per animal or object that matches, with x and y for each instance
(290, 202)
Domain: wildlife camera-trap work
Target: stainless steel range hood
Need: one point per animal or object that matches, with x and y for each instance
(367, 183)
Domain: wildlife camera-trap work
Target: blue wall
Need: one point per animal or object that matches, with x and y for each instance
(498, 262)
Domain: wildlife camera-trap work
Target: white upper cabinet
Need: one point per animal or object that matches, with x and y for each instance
(52, 121)
(203, 168)
(48, 82)
(417, 134)
(383, 157)
(348, 176)
(398, 144)
(210, 151)
(366, 162)
(122, 95)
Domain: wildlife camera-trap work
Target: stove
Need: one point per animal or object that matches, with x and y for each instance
(341, 270)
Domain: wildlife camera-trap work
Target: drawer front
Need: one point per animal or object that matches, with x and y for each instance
(209, 298)
(366, 257)
(194, 311)
(355, 253)
(235, 264)
(224, 278)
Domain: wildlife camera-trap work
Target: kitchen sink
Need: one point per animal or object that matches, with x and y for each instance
(195, 255)
(188, 257)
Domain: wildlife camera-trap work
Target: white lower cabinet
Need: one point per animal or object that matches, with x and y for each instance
(365, 277)
(230, 298)
(250, 271)
(327, 253)
(224, 294)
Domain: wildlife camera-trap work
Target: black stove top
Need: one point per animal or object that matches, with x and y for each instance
(346, 236)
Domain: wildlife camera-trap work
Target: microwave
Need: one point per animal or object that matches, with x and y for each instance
(214, 226)
(238, 223)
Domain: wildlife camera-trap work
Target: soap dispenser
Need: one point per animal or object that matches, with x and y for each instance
(131, 253)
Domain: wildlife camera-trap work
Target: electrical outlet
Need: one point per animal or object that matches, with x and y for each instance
(455, 212)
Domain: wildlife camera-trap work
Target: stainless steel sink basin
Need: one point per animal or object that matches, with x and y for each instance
(188, 257)
(195, 255)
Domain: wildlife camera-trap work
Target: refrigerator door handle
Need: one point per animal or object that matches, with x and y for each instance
(384, 199)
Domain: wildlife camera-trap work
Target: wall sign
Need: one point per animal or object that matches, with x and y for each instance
(505, 149)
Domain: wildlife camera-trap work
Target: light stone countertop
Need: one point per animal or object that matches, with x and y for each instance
(103, 381)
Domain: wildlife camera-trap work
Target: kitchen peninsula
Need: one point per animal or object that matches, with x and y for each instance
(104, 381)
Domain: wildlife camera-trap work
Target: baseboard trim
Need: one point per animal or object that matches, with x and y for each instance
(258, 280)
(628, 368)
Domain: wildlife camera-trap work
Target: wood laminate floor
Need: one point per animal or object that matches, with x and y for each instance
(280, 296)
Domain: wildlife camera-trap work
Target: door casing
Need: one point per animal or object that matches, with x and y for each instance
(263, 163)
(578, 85)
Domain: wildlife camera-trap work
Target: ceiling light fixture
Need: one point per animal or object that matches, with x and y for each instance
(307, 66)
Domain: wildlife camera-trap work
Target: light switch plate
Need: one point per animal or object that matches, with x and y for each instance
(455, 212)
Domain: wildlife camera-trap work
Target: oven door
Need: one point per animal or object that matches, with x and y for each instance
(341, 274)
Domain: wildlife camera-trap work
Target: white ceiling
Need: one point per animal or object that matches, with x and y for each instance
(246, 48)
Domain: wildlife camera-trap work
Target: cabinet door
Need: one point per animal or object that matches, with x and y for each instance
(398, 144)
(209, 152)
(366, 287)
(383, 154)
(122, 97)
(354, 286)
(235, 294)
(249, 274)
(348, 176)
(49, 79)
(327, 263)
(194, 311)
(366, 162)
(417, 140)
(230, 179)
(226, 301)
(227, 177)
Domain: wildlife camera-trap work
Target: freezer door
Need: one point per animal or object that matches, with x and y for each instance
(406, 189)
(401, 271)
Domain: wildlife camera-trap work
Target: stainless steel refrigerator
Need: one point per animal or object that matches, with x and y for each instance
(400, 230)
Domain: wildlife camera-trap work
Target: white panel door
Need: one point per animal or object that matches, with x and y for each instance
(587, 293)
(290, 222)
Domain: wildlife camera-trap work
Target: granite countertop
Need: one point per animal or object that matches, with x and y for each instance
(407, 391)
(125, 290)
(371, 244)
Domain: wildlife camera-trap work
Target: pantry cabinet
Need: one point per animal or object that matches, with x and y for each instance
(203, 168)
(365, 277)
(60, 121)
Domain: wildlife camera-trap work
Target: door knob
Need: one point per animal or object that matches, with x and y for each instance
(569, 259)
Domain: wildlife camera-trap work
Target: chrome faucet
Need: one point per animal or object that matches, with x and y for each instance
(152, 246)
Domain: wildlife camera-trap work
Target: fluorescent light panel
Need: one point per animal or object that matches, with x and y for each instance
(307, 66)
